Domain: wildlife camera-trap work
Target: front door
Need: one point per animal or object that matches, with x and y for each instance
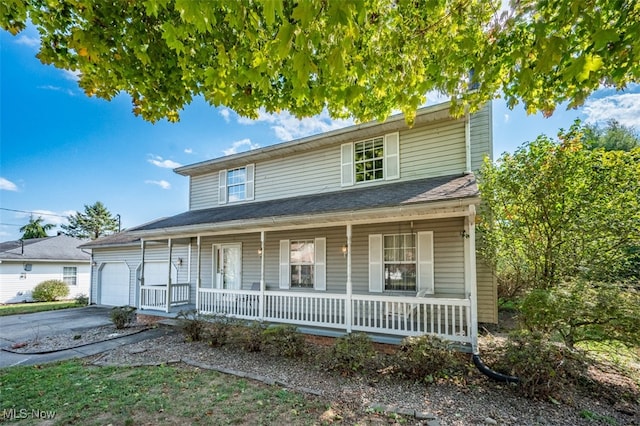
(228, 266)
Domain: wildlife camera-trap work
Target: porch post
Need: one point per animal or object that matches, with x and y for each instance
(170, 243)
(198, 283)
(470, 273)
(142, 247)
(262, 283)
(349, 284)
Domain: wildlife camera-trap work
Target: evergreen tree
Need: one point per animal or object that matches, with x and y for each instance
(36, 229)
(96, 221)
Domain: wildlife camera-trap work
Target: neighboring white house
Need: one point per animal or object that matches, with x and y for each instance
(368, 228)
(26, 263)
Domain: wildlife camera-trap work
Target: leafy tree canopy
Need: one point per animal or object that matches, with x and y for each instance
(36, 229)
(95, 222)
(555, 210)
(356, 58)
(613, 137)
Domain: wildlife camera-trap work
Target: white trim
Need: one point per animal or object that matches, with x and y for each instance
(285, 270)
(391, 156)
(376, 264)
(222, 187)
(346, 164)
(249, 187)
(320, 264)
(425, 283)
(467, 141)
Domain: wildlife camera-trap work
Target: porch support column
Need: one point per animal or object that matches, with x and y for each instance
(467, 141)
(262, 283)
(470, 273)
(348, 307)
(170, 244)
(198, 280)
(142, 247)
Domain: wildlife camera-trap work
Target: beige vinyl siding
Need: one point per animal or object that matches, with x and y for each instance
(448, 253)
(436, 149)
(203, 191)
(481, 137)
(250, 258)
(430, 151)
(487, 292)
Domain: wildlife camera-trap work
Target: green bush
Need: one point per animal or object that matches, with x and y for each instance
(425, 358)
(284, 340)
(82, 299)
(352, 353)
(544, 368)
(50, 290)
(219, 329)
(250, 337)
(123, 316)
(192, 324)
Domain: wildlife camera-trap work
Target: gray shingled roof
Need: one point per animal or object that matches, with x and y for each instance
(388, 195)
(61, 247)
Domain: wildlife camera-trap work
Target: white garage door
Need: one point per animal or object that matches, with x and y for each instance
(114, 284)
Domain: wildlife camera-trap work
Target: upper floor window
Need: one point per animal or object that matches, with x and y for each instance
(370, 160)
(70, 275)
(236, 184)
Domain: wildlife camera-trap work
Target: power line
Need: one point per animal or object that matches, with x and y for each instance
(33, 213)
(10, 224)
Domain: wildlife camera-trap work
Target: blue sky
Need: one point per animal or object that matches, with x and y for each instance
(60, 149)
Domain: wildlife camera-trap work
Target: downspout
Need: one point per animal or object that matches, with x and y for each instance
(499, 377)
(467, 140)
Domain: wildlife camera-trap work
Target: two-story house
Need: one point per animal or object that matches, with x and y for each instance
(367, 228)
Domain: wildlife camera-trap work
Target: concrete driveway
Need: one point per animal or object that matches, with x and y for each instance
(20, 328)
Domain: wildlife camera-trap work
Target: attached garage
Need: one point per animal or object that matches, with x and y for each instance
(114, 284)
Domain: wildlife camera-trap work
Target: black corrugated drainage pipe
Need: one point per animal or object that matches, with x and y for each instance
(499, 377)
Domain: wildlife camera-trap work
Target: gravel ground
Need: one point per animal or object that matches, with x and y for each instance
(478, 401)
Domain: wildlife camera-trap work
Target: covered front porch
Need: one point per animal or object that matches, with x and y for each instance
(339, 305)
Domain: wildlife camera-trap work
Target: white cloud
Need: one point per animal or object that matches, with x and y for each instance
(161, 183)
(57, 89)
(48, 216)
(507, 118)
(188, 151)
(225, 113)
(235, 147)
(156, 160)
(287, 127)
(7, 185)
(71, 75)
(26, 40)
(624, 108)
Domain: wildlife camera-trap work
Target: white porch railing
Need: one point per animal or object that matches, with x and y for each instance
(403, 316)
(155, 296)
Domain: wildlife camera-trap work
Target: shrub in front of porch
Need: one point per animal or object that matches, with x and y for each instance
(426, 358)
(193, 325)
(352, 353)
(284, 340)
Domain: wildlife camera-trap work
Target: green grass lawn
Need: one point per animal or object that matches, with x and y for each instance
(72, 392)
(29, 308)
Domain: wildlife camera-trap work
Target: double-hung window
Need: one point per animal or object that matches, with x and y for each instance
(400, 262)
(302, 264)
(236, 185)
(301, 261)
(70, 275)
(370, 160)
